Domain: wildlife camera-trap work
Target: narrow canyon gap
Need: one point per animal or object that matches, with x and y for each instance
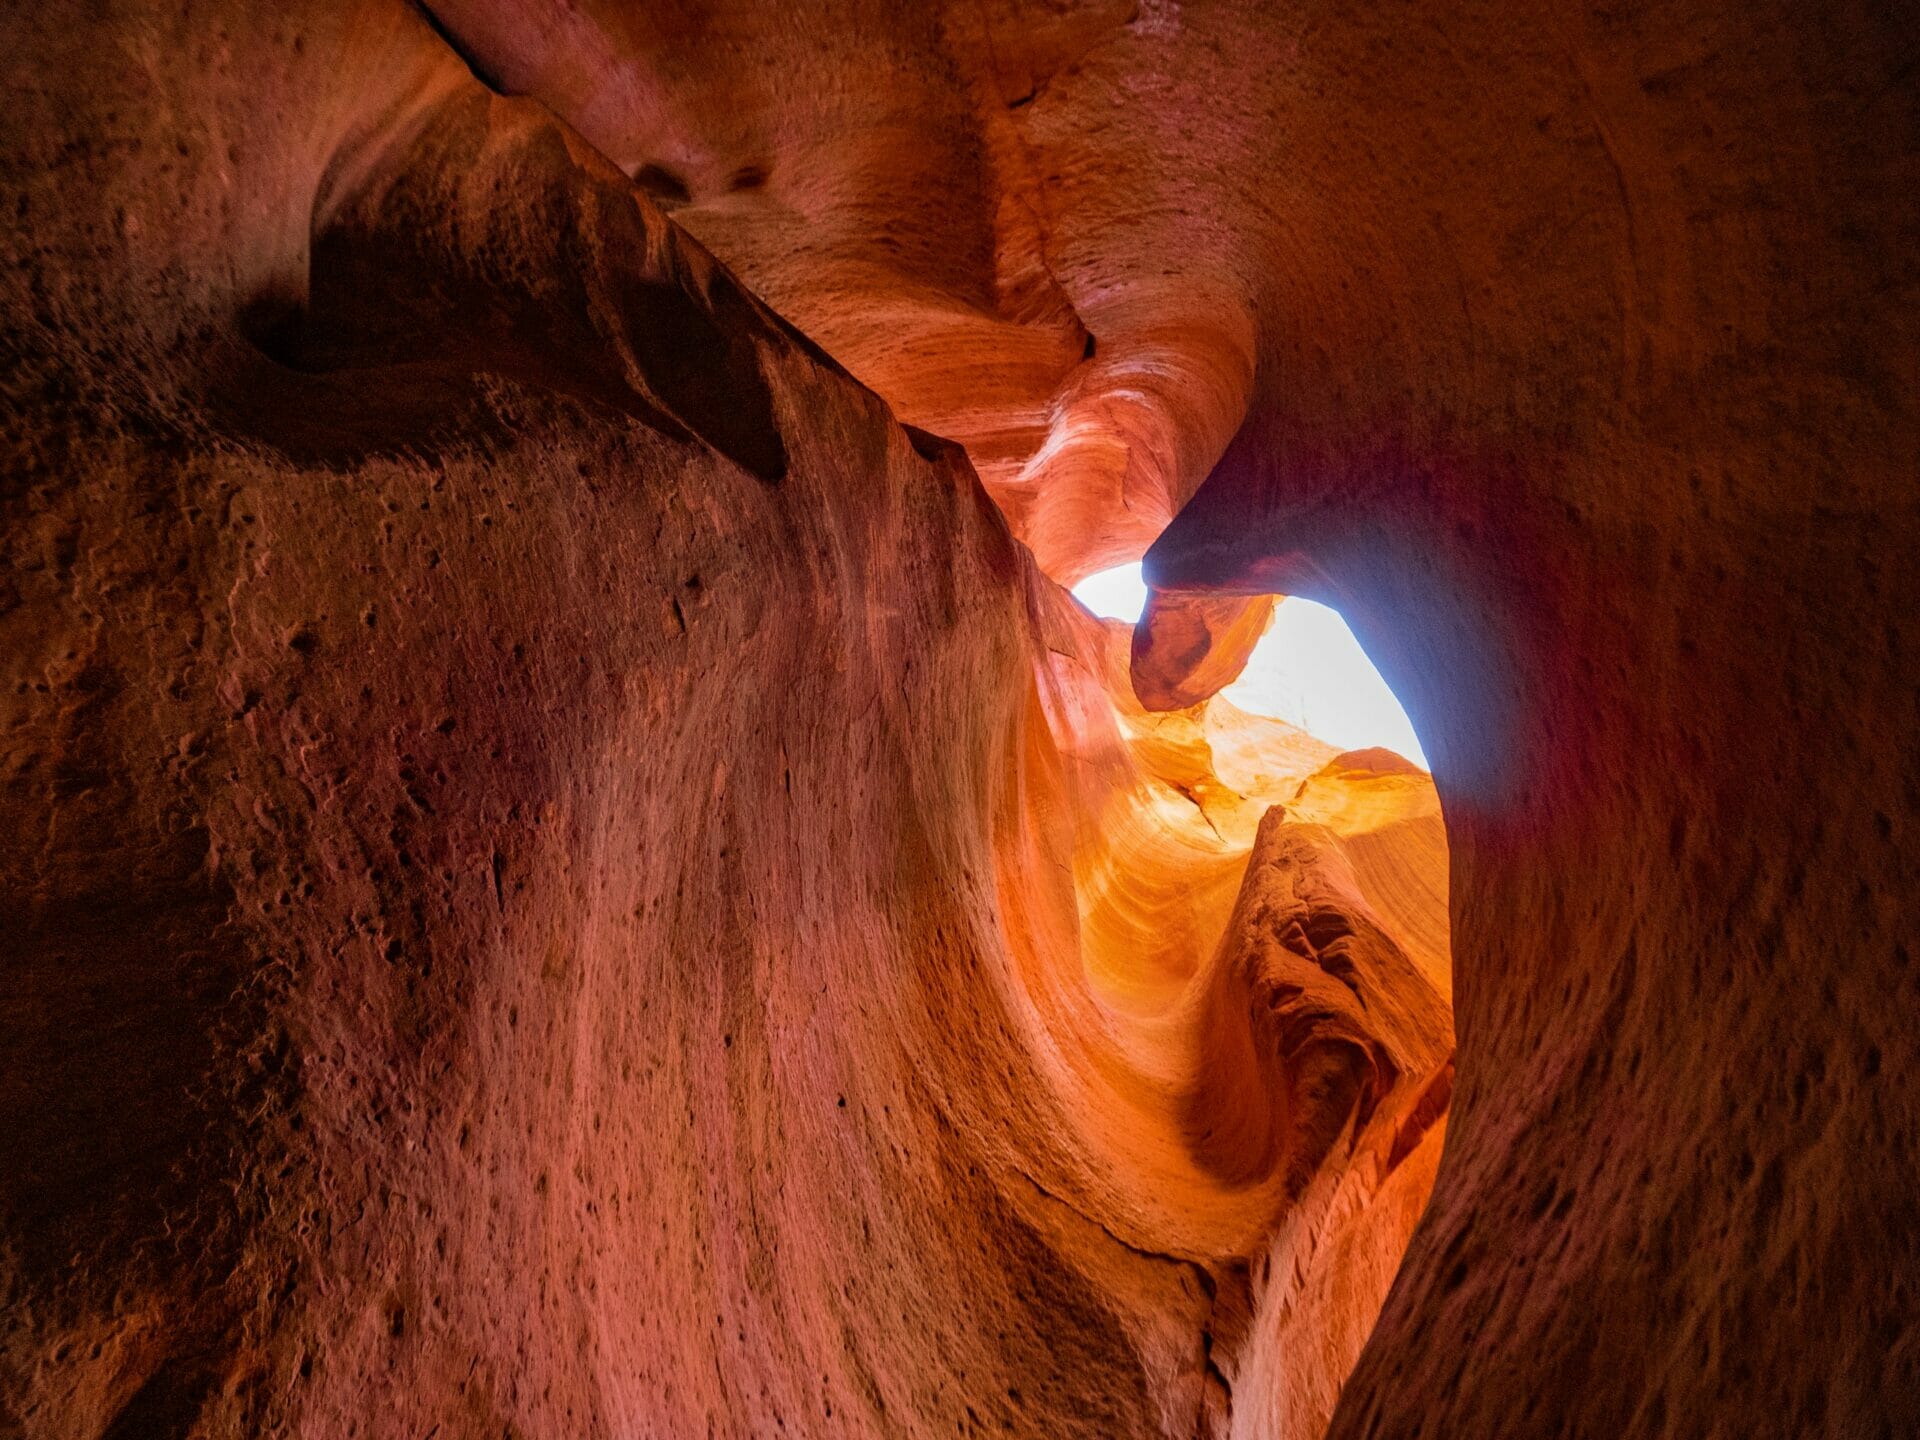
(570, 866)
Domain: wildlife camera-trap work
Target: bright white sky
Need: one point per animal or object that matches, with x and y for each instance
(1307, 669)
(1118, 594)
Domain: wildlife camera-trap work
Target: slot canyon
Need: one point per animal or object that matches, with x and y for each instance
(571, 865)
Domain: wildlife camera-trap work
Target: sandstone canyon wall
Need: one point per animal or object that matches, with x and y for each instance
(565, 872)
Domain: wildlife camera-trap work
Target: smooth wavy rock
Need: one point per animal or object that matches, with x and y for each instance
(567, 866)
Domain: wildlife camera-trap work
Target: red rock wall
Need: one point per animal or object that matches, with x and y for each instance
(566, 874)
(1597, 423)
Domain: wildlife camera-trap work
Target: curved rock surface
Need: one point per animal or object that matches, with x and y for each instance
(1188, 648)
(567, 875)
(1011, 220)
(569, 868)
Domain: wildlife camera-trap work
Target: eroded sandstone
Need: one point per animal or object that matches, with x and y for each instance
(569, 867)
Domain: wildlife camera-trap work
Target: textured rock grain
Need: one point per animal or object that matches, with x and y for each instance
(566, 872)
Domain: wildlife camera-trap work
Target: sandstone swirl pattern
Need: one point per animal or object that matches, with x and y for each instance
(567, 866)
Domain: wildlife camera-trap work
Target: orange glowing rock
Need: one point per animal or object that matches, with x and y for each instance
(570, 868)
(592, 884)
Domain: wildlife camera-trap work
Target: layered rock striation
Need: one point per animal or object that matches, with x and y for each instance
(569, 867)
(566, 874)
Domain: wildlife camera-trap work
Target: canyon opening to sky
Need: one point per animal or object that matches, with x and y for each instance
(1306, 669)
(572, 865)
